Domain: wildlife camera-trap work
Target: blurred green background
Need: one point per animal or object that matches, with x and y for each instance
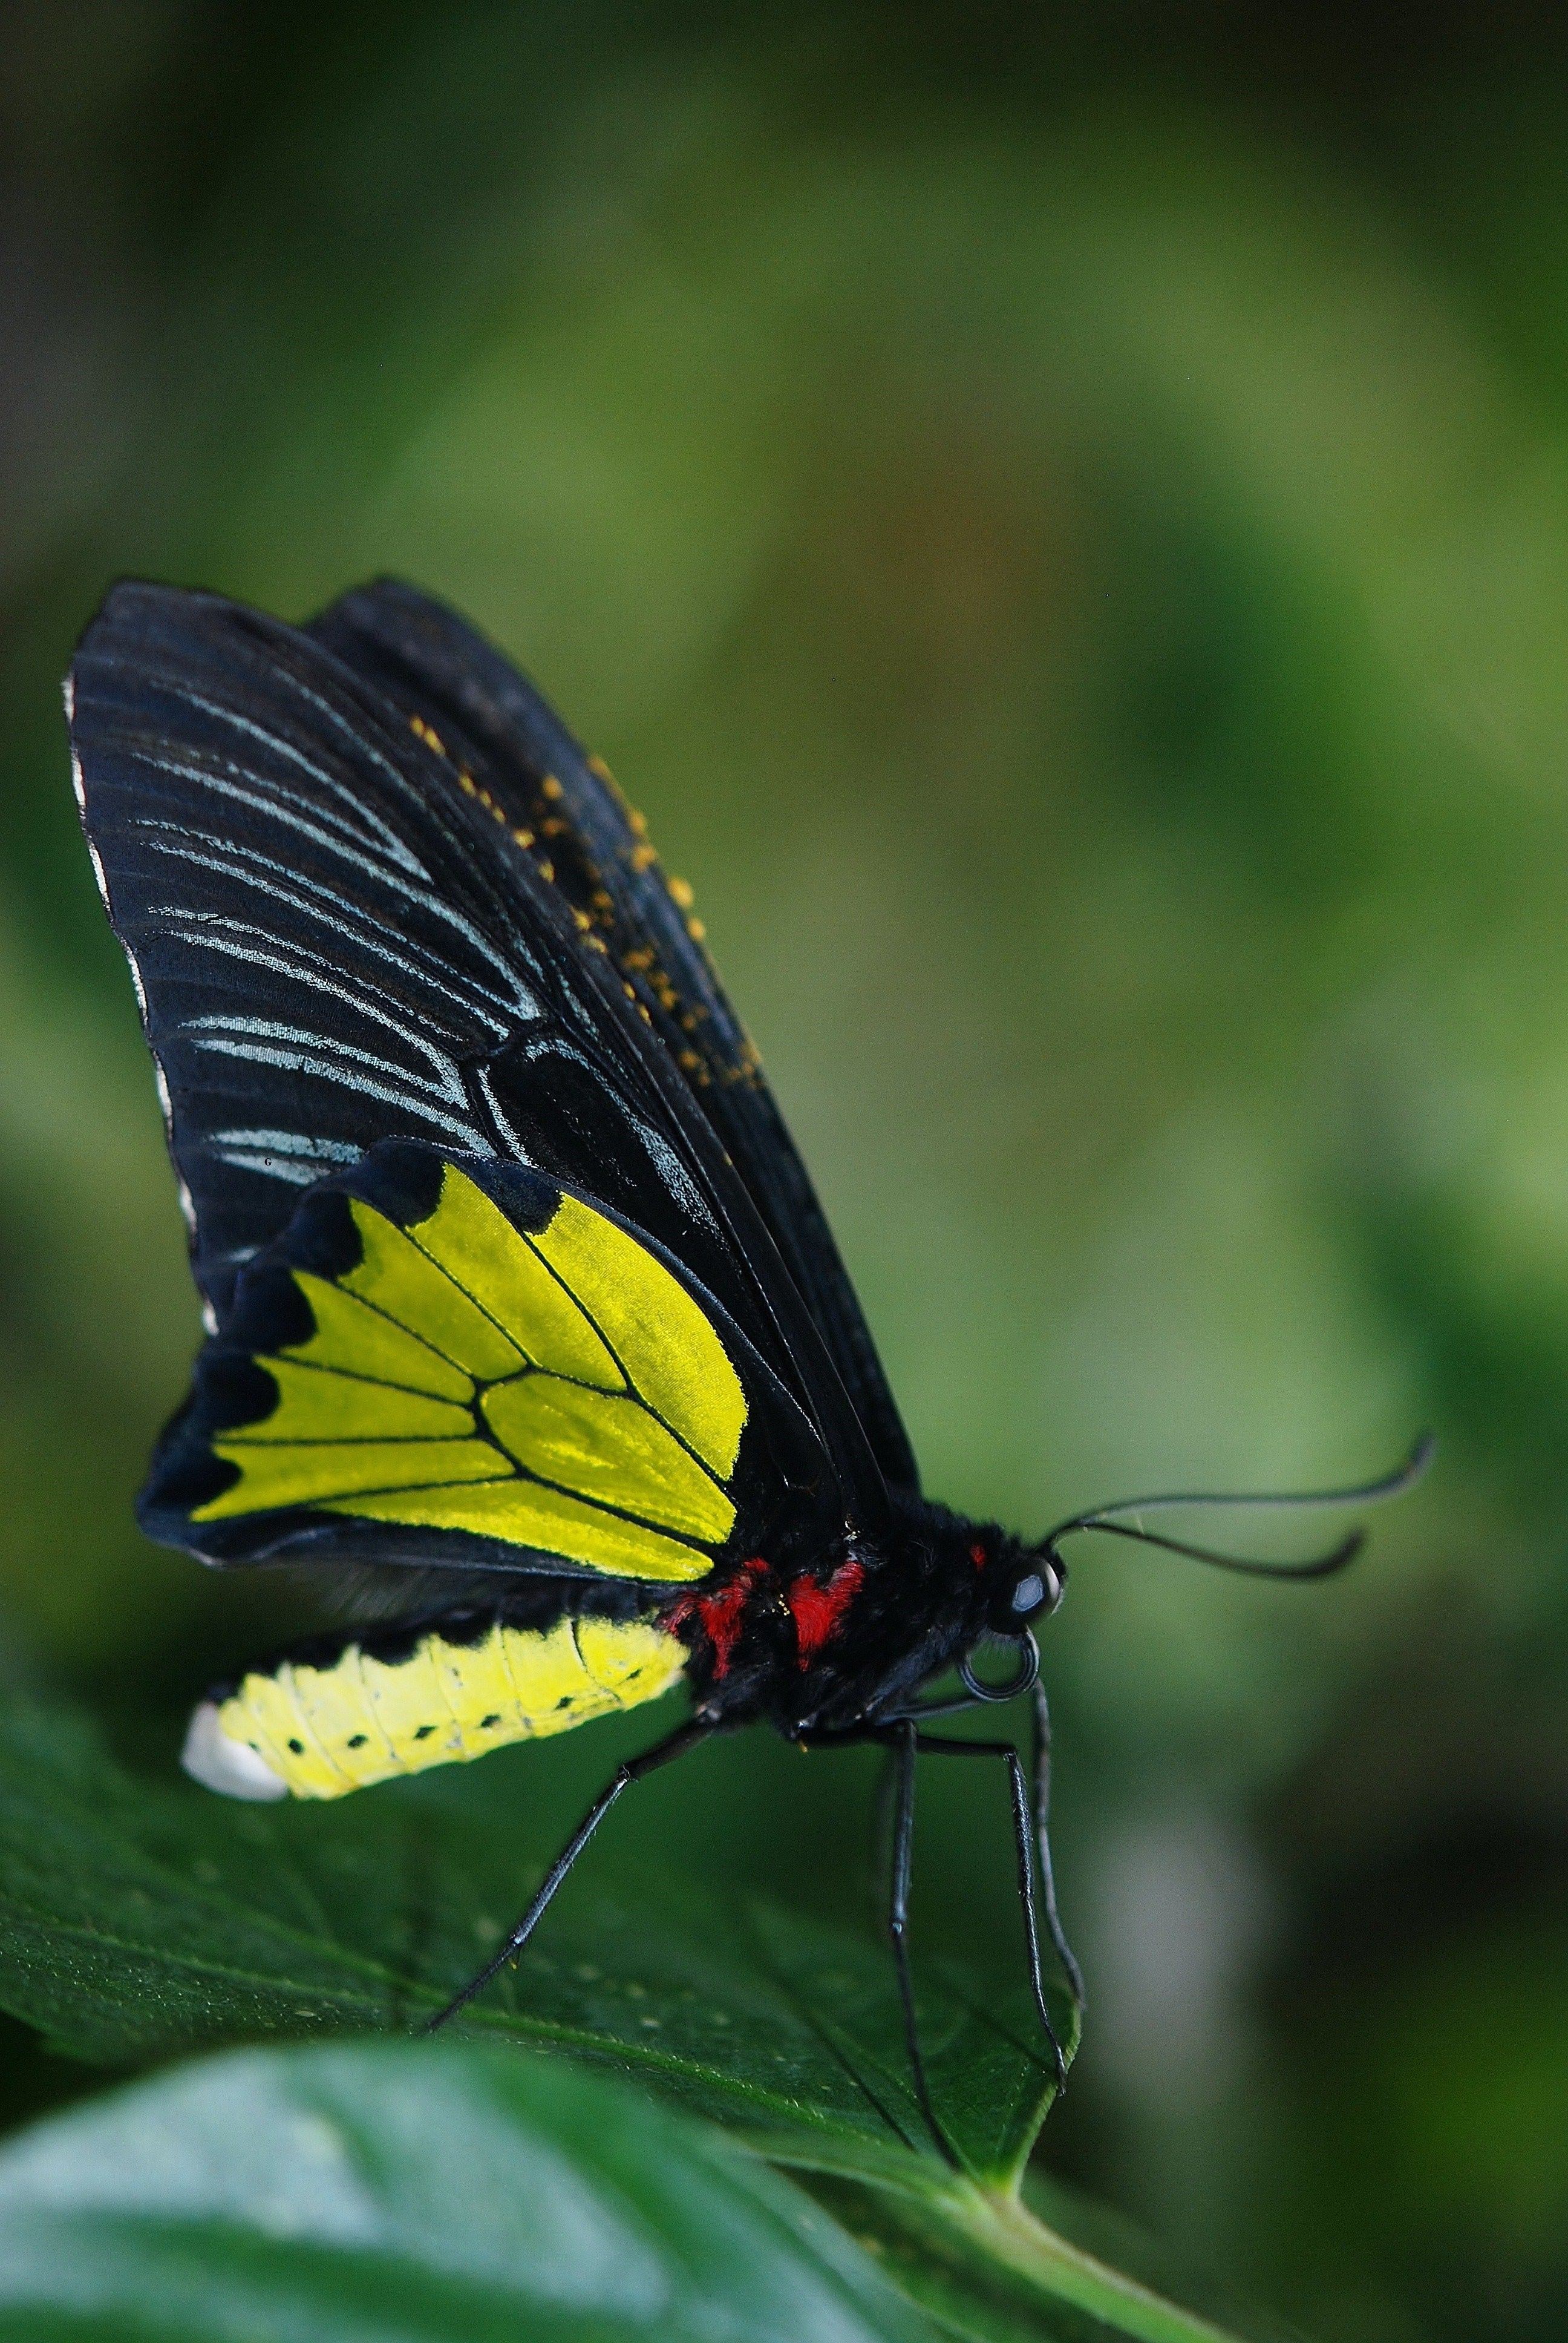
(1060, 516)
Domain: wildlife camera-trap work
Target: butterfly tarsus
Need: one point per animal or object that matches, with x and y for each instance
(1025, 1812)
(882, 1831)
(1041, 1756)
(675, 1744)
(904, 1739)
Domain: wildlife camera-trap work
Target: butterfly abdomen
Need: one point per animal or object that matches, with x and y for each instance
(373, 1708)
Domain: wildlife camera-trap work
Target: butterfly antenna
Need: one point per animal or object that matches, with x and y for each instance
(1112, 1522)
(1322, 1565)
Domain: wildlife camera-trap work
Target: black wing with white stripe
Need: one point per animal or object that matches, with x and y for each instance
(433, 665)
(337, 941)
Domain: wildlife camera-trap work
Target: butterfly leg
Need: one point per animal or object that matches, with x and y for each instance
(1041, 1802)
(903, 1741)
(675, 1744)
(882, 1829)
(1024, 1820)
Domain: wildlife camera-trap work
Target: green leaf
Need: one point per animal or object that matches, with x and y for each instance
(139, 1920)
(424, 2192)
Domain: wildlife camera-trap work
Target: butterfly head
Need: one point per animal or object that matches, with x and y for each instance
(1019, 1585)
(1019, 1588)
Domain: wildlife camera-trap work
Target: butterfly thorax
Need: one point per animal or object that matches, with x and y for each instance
(837, 1641)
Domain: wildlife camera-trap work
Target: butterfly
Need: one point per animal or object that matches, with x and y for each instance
(516, 1290)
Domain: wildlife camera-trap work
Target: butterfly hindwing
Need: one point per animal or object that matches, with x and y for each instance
(443, 1358)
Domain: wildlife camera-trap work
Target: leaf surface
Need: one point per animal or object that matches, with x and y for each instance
(431, 2193)
(140, 1921)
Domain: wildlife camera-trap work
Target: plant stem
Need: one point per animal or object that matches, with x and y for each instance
(991, 2227)
(1004, 2228)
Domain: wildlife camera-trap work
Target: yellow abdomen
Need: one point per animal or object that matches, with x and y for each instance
(319, 1731)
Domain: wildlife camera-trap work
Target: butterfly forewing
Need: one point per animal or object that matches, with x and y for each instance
(526, 768)
(339, 937)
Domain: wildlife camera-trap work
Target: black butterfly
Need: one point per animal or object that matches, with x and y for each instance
(514, 1283)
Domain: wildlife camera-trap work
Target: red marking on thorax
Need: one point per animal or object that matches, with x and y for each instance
(978, 1556)
(722, 1615)
(816, 1609)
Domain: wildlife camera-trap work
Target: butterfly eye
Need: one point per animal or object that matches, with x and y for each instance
(1039, 1591)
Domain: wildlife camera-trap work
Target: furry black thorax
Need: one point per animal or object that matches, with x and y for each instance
(840, 1645)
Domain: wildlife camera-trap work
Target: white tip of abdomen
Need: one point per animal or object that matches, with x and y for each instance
(214, 1758)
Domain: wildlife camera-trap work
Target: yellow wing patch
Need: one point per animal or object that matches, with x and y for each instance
(523, 1512)
(320, 1472)
(556, 1389)
(324, 1731)
(355, 1339)
(673, 1356)
(429, 1304)
(313, 1406)
(601, 1446)
(471, 1239)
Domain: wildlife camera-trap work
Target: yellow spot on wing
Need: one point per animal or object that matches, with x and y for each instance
(673, 1356)
(319, 1404)
(359, 1341)
(324, 1471)
(402, 1280)
(608, 1448)
(523, 1513)
(473, 1241)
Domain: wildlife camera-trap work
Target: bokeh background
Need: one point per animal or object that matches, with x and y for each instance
(1060, 516)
